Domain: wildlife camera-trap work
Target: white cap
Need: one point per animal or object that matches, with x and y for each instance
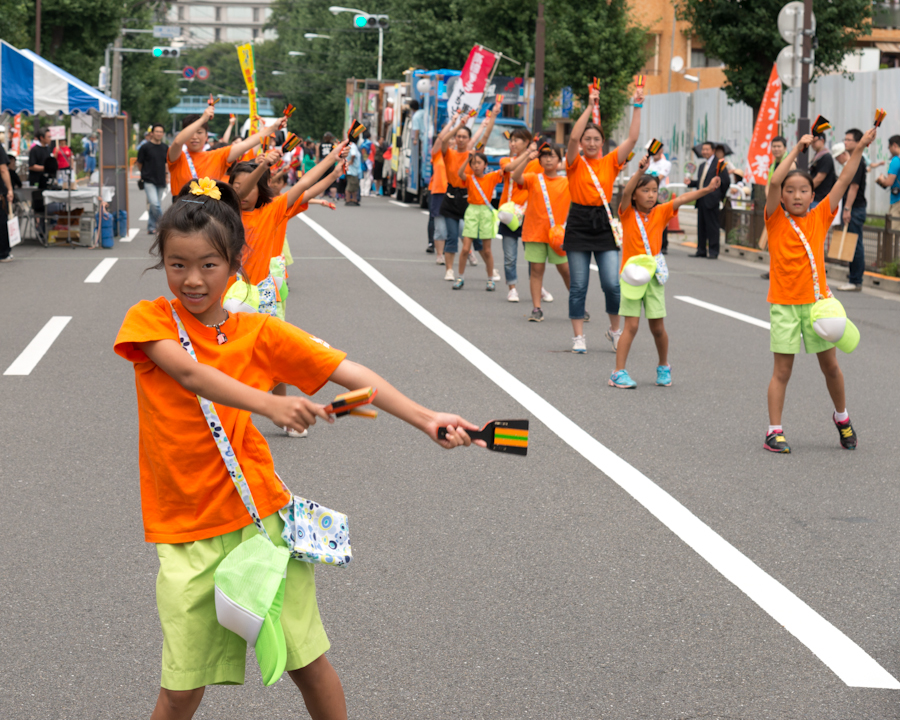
(837, 149)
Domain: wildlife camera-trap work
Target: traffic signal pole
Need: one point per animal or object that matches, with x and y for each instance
(805, 71)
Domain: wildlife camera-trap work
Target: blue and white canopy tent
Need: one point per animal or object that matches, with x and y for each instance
(31, 85)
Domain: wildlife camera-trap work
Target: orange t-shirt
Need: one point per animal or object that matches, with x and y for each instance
(536, 224)
(654, 224)
(519, 193)
(438, 183)
(453, 161)
(186, 491)
(264, 231)
(790, 274)
(581, 185)
(486, 182)
(212, 164)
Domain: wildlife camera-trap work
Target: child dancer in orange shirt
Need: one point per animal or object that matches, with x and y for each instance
(478, 225)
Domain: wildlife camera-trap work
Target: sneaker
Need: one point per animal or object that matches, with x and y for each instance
(545, 296)
(473, 261)
(429, 249)
(512, 295)
(439, 259)
(449, 276)
(8, 258)
(458, 285)
(490, 286)
(537, 315)
(290, 432)
(848, 436)
(621, 379)
(850, 287)
(664, 375)
(578, 345)
(776, 443)
(496, 276)
(613, 337)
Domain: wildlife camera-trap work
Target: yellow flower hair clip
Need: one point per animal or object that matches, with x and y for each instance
(207, 187)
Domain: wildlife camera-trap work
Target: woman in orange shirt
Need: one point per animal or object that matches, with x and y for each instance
(542, 189)
(479, 217)
(188, 500)
(590, 229)
(797, 279)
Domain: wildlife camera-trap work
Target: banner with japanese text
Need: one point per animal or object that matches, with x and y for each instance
(17, 135)
(248, 69)
(468, 89)
(759, 157)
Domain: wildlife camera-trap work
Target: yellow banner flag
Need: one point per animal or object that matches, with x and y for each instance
(245, 55)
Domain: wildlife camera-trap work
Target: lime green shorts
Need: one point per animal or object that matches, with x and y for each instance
(789, 322)
(537, 252)
(479, 222)
(197, 651)
(654, 302)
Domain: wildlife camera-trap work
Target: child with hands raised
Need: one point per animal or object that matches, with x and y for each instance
(479, 218)
(189, 505)
(643, 223)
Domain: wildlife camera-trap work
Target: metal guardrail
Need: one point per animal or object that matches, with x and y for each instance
(228, 104)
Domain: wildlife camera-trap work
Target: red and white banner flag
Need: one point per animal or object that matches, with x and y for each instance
(469, 87)
(17, 135)
(759, 157)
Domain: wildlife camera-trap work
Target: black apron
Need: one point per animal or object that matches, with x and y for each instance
(456, 200)
(588, 229)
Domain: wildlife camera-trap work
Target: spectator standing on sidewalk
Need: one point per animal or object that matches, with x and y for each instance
(38, 157)
(822, 170)
(854, 210)
(891, 181)
(89, 150)
(354, 174)
(6, 200)
(708, 206)
(151, 161)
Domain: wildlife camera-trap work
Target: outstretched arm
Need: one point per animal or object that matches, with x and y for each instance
(310, 179)
(632, 183)
(773, 194)
(518, 174)
(714, 184)
(262, 167)
(452, 127)
(186, 133)
(634, 131)
(226, 136)
(462, 168)
(320, 187)
(487, 125)
(843, 182)
(521, 161)
(251, 142)
(580, 125)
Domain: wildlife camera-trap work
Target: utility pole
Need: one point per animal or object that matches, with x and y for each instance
(805, 71)
(539, 71)
(37, 28)
(116, 82)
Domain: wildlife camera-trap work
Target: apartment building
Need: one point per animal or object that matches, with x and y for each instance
(207, 21)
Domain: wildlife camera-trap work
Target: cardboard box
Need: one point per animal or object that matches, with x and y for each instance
(842, 246)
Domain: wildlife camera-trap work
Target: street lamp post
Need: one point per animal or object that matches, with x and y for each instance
(364, 20)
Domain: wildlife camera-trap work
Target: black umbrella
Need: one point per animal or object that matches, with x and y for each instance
(727, 148)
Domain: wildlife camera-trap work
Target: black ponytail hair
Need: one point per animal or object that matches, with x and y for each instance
(218, 220)
(265, 195)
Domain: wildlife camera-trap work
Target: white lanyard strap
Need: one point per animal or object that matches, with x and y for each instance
(640, 224)
(221, 439)
(480, 190)
(546, 200)
(190, 163)
(812, 259)
(615, 228)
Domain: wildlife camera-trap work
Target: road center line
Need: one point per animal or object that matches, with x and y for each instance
(145, 216)
(31, 355)
(844, 657)
(132, 234)
(99, 272)
(725, 311)
(399, 204)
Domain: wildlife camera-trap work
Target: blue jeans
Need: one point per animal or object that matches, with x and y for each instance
(452, 244)
(579, 272)
(154, 192)
(858, 264)
(510, 252)
(90, 164)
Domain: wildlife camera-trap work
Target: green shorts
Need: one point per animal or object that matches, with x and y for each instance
(537, 252)
(479, 222)
(654, 302)
(197, 651)
(789, 322)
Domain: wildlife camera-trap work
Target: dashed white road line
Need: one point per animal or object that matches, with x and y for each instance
(837, 651)
(132, 234)
(399, 204)
(725, 311)
(37, 348)
(99, 272)
(145, 216)
(426, 212)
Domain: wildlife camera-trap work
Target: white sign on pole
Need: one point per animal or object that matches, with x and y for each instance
(82, 124)
(57, 132)
(169, 32)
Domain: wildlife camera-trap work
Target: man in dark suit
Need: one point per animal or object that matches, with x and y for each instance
(708, 205)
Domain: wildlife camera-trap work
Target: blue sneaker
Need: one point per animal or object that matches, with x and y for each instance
(664, 375)
(621, 379)
(458, 285)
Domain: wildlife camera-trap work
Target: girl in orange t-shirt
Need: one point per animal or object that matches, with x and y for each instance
(479, 218)
(796, 232)
(537, 225)
(640, 217)
(188, 500)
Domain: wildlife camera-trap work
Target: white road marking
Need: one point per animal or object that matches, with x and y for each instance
(99, 272)
(594, 267)
(145, 216)
(400, 204)
(725, 311)
(132, 234)
(37, 348)
(426, 212)
(838, 652)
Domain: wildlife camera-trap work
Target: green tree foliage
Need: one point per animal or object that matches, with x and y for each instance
(744, 35)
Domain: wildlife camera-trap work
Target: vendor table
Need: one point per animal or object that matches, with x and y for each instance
(75, 222)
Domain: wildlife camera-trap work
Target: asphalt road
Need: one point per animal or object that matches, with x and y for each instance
(483, 585)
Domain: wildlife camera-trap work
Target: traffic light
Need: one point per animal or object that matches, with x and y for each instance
(370, 22)
(166, 52)
(359, 21)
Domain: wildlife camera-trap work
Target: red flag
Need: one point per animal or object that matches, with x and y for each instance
(759, 157)
(472, 83)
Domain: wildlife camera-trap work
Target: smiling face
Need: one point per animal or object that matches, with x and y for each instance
(706, 151)
(797, 195)
(517, 146)
(591, 142)
(249, 202)
(197, 275)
